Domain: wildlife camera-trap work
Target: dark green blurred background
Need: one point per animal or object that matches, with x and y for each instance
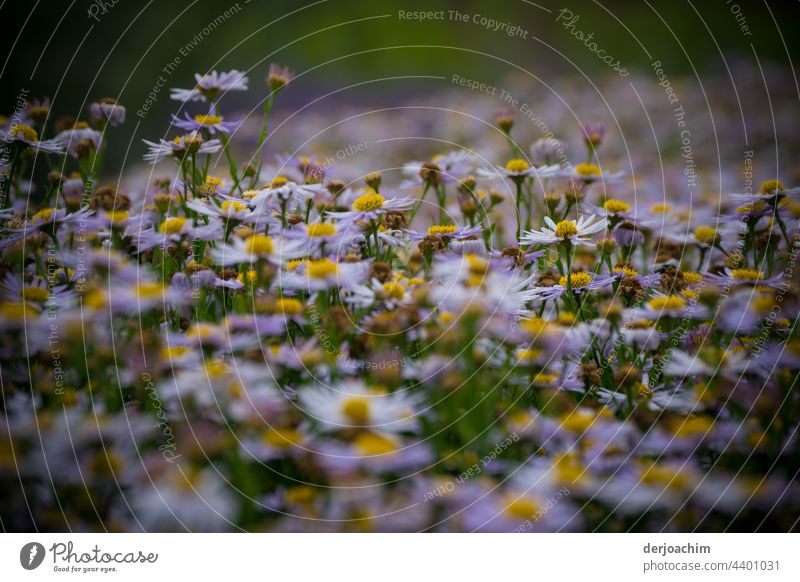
(54, 48)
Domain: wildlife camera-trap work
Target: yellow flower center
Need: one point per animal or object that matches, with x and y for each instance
(566, 318)
(660, 208)
(695, 426)
(288, 306)
(25, 132)
(149, 290)
(705, 234)
(576, 280)
(370, 443)
(202, 330)
(691, 278)
(356, 409)
(249, 194)
(211, 184)
(258, 244)
(282, 438)
(320, 229)
(294, 263)
(17, 311)
(534, 326)
(754, 207)
(394, 290)
(172, 225)
(614, 206)
(302, 494)
(441, 229)
(577, 421)
(207, 119)
(322, 268)
(231, 206)
(368, 202)
(517, 166)
(522, 508)
(771, 187)
(118, 216)
(566, 229)
(665, 477)
(44, 215)
(544, 378)
(279, 181)
(669, 303)
(174, 352)
(529, 354)
(96, 299)
(36, 294)
(747, 275)
(216, 368)
(627, 272)
(587, 170)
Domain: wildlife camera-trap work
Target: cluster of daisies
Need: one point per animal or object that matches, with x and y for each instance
(520, 346)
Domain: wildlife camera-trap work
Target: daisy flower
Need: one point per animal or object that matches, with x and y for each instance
(79, 137)
(28, 137)
(180, 147)
(351, 404)
(254, 248)
(230, 212)
(108, 111)
(740, 277)
(370, 206)
(770, 191)
(673, 306)
(209, 122)
(209, 86)
(566, 231)
(579, 283)
(520, 169)
(47, 220)
(285, 193)
(588, 173)
(446, 232)
(322, 274)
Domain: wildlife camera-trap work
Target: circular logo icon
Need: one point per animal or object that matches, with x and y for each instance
(31, 555)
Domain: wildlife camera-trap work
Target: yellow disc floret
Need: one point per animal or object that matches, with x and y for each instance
(576, 280)
(370, 443)
(172, 225)
(517, 166)
(441, 230)
(668, 303)
(232, 206)
(320, 229)
(566, 229)
(613, 206)
(206, 120)
(278, 182)
(706, 235)
(288, 306)
(44, 215)
(587, 170)
(522, 508)
(356, 409)
(394, 290)
(321, 269)
(368, 202)
(747, 275)
(25, 132)
(771, 187)
(258, 244)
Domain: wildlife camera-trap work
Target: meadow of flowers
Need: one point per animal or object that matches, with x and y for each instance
(520, 333)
